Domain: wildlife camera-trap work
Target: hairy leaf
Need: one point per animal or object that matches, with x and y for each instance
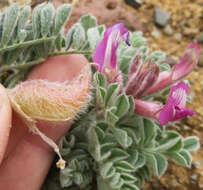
(62, 15)
(9, 24)
(158, 163)
(191, 143)
(88, 21)
(122, 105)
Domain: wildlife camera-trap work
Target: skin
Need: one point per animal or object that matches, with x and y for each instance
(25, 160)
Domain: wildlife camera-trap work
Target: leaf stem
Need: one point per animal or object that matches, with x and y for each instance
(20, 66)
(70, 52)
(27, 43)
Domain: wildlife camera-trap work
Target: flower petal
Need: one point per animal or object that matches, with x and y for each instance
(183, 112)
(166, 114)
(187, 63)
(180, 70)
(105, 53)
(114, 40)
(99, 54)
(178, 95)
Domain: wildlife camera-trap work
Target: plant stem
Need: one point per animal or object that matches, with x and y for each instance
(27, 43)
(20, 66)
(69, 52)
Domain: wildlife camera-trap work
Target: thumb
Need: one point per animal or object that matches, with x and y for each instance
(5, 120)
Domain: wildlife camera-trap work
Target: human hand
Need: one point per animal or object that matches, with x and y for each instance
(26, 159)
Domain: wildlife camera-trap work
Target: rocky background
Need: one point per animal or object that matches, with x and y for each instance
(169, 26)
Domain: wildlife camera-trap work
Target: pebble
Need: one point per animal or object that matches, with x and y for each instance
(155, 33)
(171, 61)
(134, 3)
(178, 36)
(186, 128)
(200, 38)
(194, 177)
(201, 58)
(161, 18)
(112, 5)
(200, 183)
(168, 30)
(196, 164)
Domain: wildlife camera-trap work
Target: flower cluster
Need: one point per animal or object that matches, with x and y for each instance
(145, 79)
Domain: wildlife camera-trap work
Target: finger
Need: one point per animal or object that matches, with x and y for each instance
(5, 120)
(59, 68)
(28, 164)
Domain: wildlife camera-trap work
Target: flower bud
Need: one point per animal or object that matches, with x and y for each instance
(141, 77)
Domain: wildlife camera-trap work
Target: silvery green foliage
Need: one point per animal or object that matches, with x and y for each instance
(28, 39)
(116, 148)
(85, 34)
(109, 147)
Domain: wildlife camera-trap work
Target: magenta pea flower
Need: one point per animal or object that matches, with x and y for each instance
(105, 54)
(172, 111)
(175, 108)
(180, 70)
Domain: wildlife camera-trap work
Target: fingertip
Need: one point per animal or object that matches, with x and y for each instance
(5, 120)
(59, 68)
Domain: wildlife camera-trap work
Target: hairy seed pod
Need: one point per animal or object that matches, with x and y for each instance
(51, 101)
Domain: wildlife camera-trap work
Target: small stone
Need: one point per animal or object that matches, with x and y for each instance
(171, 61)
(161, 18)
(178, 36)
(168, 30)
(155, 33)
(201, 58)
(200, 182)
(196, 164)
(200, 38)
(186, 128)
(134, 3)
(112, 5)
(194, 177)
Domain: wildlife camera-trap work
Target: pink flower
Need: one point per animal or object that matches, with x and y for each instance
(105, 54)
(180, 70)
(174, 109)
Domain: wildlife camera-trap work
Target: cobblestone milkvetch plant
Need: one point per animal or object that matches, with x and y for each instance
(123, 136)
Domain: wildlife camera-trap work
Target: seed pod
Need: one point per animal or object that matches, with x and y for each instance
(51, 101)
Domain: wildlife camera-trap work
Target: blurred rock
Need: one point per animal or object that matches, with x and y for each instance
(168, 30)
(201, 181)
(155, 33)
(170, 61)
(111, 5)
(196, 164)
(194, 177)
(161, 18)
(178, 36)
(201, 58)
(200, 38)
(134, 3)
